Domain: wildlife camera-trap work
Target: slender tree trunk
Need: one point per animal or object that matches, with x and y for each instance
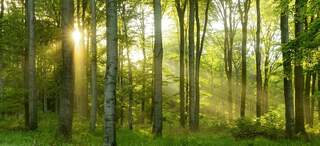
(130, 92)
(93, 115)
(130, 80)
(298, 70)
(1, 51)
(111, 74)
(181, 12)
(258, 63)
(197, 65)
(200, 45)
(158, 56)
(307, 107)
(265, 94)
(143, 100)
(244, 21)
(192, 96)
(31, 78)
(313, 88)
(66, 98)
(287, 71)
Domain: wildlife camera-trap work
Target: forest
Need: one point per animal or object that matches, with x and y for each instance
(160, 72)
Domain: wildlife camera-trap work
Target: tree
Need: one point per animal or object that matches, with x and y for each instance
(158, 56)
(111, 73)
(199, 49)
(307, 100)
(66, 98)
(1, 51)
(313, 97)
(298, 69)
(93, 116)
(31, 76)
(287, 69)
(258, 62)
(192, 96)
(181, 12)
(130, 80)
(244, 12)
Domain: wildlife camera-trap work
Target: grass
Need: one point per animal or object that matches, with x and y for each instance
(13, 134)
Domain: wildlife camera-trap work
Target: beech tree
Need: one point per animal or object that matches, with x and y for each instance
(66, 98)
(157, 78)
(111, 73)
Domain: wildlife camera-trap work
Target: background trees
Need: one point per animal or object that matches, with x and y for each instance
(232, 75)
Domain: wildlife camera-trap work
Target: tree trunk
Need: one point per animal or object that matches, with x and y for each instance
(93, 116)
(31, 76)
(181, 12)
(1, 57)
(307, 107)
(298, 70)
(199, 48)
(244, 21)
(287, 71)
(258, 62)
(192, 96)
(313, 98)
(158, 56)
(66, 98)
(143, 100)
(111, 74)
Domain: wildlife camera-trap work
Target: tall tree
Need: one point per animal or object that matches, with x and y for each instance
(287, 69)
(258, 62)
(93, 116)
(192, 96)
(1, 51)
(307, 100)
(226, 10)
(199, 49)
(158, 56)
(130, 80)
(181, 12)
(143, 46)
(298, 68)
(244, 12)
(111, 73)
(313, 97)
(31, 73)
(66, 98)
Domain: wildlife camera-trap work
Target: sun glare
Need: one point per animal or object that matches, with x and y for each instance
(76, 36)
(136, 55)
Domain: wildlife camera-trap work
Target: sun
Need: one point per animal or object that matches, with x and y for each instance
(76, 36)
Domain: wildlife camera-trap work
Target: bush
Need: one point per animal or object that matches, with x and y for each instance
(270, 126)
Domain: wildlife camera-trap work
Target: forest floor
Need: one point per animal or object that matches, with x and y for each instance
(12, 133)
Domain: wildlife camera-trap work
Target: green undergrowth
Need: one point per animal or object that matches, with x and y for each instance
(12, 133)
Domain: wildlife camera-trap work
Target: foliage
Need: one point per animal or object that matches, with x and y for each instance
(270, 126)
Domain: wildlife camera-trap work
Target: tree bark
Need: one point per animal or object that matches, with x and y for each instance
(244, 21)
(192, 96)
(93, 115)
(298, 70)
(199, 49)
(143, 46)
(66, 98)
(181, 13)
(158, 56)
(313, 98)
(307, 101)
(258, 62)
(111, 74)
(31, 78)
(287, 70)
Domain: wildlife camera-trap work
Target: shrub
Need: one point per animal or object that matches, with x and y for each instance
(270, 126)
